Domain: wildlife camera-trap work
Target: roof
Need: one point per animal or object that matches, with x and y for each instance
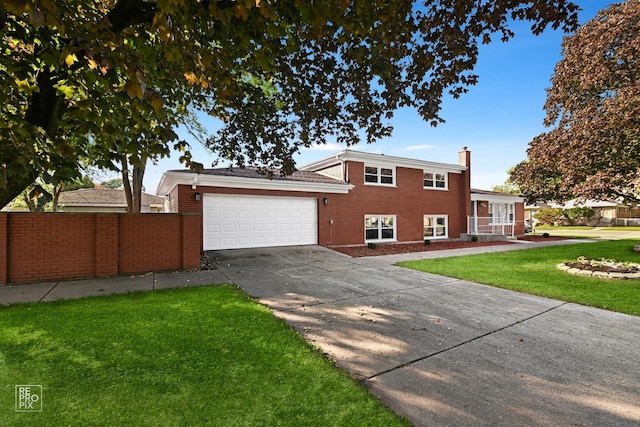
(249, 177)
(252, 172)
(590, 203)
(102, 197)
(381, 160)
(495, 196)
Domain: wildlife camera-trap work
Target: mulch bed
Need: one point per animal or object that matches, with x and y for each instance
(605, 268)
(405, 248)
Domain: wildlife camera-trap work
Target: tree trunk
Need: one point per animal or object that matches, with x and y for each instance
(133, 187)
(57, 189)
(126, 183)
(138, 175)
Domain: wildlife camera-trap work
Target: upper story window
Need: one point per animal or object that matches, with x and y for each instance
(435, 180)
(379, 175)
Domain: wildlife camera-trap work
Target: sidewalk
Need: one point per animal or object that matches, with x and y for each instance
(71, 289)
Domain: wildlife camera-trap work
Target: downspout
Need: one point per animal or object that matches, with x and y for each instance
(342, 164)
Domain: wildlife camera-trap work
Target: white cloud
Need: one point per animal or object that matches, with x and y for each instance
(419, 147)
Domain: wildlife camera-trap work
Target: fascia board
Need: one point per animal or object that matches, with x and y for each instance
(171, 179)
(383, 160)
(495, 198)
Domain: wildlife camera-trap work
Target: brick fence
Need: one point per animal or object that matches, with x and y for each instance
(38, 247)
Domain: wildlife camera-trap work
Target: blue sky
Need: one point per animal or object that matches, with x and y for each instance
(496, 119)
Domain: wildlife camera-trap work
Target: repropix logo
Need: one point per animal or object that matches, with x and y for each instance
(29, 398)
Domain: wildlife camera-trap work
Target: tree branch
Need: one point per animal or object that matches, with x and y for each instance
(131, 12)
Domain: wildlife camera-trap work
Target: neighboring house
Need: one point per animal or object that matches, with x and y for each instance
(606, 213)
(349, 198)
(104, 200)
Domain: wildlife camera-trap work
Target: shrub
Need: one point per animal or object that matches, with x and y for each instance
(427, 242)
(474, 238)
(372, 245)
(548, 216)
(545, 234)
(579, 215)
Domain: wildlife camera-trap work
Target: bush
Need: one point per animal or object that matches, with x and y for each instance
(372, 245)
(474, 238)
(579, 215)
(548, 216)
(427, 242)
(545, 234)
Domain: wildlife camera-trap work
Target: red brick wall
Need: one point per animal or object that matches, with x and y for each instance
(52, 246)
(409, 201)
(519, 231)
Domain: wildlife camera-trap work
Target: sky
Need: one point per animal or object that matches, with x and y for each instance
(496, 119)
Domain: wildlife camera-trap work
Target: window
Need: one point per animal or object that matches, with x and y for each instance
(435, 180)
(378, 175)
(379, 228)
(435, 227)
(501, 213)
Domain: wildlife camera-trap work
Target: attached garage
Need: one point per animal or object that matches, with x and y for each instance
(243, 208)
(240, 221)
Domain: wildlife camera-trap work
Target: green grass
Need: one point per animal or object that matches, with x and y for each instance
(621, 228)
(185, 357)
(534, 271)
(563, 227)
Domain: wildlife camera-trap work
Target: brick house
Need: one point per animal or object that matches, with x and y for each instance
(349, 198)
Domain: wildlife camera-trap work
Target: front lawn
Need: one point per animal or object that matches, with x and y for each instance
(183, 357)
(534, 271)
(563, 227)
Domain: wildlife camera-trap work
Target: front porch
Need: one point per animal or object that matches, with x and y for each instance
(495, 216)
(490, 226)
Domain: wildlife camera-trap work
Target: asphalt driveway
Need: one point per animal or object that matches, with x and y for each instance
(442, 351)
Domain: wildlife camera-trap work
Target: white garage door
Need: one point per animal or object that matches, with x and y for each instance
(233, 221)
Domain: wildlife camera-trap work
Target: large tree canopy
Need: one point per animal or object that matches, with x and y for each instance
(280, 74)
(593, 150)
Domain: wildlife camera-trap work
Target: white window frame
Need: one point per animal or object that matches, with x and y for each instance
(379, 175)
(435, 226)
(379, 227)
(444, 182)
(502, 213)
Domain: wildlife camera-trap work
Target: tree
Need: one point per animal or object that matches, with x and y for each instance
(76, 184)
(549, 216)
(338, 67)
(593, 149)
(112, 183)
(580, 215)
(509, 186)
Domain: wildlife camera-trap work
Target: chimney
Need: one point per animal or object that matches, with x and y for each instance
(464, 158)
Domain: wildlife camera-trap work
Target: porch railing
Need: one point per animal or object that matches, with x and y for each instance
(489, 225)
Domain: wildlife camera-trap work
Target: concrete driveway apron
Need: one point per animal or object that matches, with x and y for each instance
(442, 351)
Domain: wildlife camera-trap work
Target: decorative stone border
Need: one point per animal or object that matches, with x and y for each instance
(598, 274)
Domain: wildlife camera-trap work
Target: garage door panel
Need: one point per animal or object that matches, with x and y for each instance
(238, 221)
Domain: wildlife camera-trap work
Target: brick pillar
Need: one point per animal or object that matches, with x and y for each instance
(106, 249)
(4, 252)
(191, 240)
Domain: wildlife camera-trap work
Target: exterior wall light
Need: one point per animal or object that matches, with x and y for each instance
(197, 197)
(325, 200)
